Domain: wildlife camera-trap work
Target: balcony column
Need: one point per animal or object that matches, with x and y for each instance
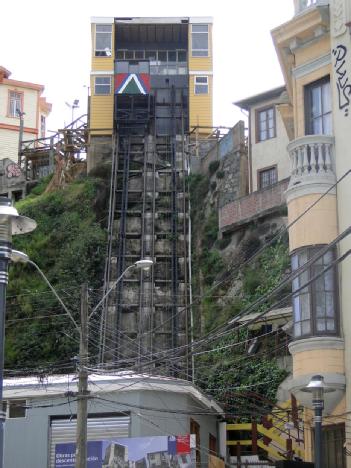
(317, 346)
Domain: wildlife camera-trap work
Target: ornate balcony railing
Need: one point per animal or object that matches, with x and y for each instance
(312, 156)
(301, 5)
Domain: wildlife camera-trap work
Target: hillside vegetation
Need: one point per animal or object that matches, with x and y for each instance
(225, 366)
(69, 247)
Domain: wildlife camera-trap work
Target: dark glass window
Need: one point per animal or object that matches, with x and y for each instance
(162, 55)
(129, 54)
(150, 54)
(267, 177)
(318, 108)
(17, 409)
(181, 55)
(139, 54)
(172, 56)
(265, 124)
(315, 306)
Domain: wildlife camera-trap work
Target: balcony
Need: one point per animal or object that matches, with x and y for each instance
(312, 162)
(246, 209)
(302, 5)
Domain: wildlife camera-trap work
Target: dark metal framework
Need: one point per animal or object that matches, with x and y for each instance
(148, 218)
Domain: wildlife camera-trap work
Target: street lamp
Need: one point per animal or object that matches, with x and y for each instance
(318, 388)
(73, 106)
(82, 406)
(10, 223)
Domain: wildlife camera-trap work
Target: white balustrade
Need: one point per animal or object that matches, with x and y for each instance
(311, 155)
(301, 5)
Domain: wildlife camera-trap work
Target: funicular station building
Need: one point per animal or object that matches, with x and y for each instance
(151, 83)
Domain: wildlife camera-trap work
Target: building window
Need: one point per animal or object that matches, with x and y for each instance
(267, 177)
(103, 40)
(315, 306)
(42, 125)
(318, 108)
(102, 85)
(199, 40)
(265, 124)
(17, 408)
(201, 85)
(15, 104)
(334, 454)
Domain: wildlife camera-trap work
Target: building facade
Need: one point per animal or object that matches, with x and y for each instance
(23, 114)
(149, 56)
(268, 167)
(314, 52)
(119, 407)
(151, 82)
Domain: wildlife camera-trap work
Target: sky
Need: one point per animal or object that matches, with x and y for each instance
(48, 42)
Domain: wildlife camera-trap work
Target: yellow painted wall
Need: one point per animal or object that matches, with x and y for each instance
(201, 63)
(317, 226)
(101, 107)
(200, 105)
(102, 63)
(313, 51)
(101, 113)
(318, 361)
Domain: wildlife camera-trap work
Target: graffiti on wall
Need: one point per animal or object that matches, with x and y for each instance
(13, 170)
(342, 80)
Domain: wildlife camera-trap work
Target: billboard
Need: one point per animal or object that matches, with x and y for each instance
(133, 452)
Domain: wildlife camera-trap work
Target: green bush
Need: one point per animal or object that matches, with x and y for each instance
(213, 166)
(69, 246)
(220, 174)
(224, 242)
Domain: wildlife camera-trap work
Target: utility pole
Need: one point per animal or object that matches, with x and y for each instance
(82, 403)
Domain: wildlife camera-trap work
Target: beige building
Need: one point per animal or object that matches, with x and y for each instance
(268, 161)
(21, 105)
(314, 50)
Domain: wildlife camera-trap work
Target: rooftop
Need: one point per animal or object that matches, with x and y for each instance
(257, 98)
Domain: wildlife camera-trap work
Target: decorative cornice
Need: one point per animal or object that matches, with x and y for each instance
(310, 67)
(318, 342)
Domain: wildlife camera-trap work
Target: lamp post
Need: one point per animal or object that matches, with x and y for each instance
(318, 388)
(10, 223)
(73, 106)
(82, 406)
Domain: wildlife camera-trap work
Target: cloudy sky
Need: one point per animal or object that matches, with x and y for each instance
(48, 42)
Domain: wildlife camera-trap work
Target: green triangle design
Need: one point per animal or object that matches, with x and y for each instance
(131, 88)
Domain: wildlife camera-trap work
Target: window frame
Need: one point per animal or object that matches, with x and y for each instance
(102, 52)
(308, 106)
(265, 110)
(266, 169)
(202, 85)
(21, 99)
(110, 85)
(312, 293)
(206, 51)
(11, 402)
